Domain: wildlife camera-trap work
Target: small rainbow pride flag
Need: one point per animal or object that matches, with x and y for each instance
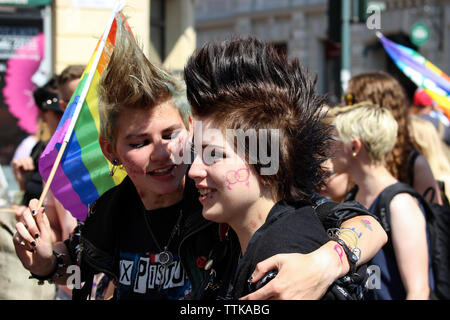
(421, 71)
(82, 175)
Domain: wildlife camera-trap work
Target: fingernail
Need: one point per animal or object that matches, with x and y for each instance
(36, 235)
(33, 212)
(33, 243)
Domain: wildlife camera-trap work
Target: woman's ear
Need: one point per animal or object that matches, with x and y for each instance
(356, 146)
(107, 148)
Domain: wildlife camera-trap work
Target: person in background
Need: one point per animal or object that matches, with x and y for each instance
(424, 107)
(404, 161)
(52, 100)
(434, 149)
(336, 185)
(365, 136)
(13, 277)
(53, 103)
(26, 169)
(67, 82)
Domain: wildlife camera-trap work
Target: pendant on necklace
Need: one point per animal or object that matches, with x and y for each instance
(165, 258)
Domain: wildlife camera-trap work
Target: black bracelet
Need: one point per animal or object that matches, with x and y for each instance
(49, 277)
(351, 256)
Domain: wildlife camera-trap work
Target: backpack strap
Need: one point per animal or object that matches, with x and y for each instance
(382, 209)
(412, 160)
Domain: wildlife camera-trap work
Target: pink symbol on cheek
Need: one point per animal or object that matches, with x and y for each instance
(234, 176)
(230, 177)
(243, 175)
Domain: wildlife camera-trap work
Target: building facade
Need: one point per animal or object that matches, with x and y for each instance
(39, 38)
(301, 28)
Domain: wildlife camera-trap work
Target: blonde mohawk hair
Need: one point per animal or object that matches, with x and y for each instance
(131, 81)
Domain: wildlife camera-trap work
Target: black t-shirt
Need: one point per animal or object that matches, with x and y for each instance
(34, 183)
(141, 275)
(286, 230)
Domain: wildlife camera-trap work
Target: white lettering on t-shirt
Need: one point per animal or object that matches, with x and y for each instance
(147, 273)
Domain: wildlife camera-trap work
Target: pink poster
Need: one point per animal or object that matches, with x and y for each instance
(18, 89)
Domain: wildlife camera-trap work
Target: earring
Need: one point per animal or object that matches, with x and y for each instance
(115, 163)
(354, 154)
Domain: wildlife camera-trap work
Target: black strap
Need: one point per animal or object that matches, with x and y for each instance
(412, 161)
(332, 214)
(382, 208)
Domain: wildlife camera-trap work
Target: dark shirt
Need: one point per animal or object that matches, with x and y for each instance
(285, 230)
(115, 240)
(34, 183)
(141, 274)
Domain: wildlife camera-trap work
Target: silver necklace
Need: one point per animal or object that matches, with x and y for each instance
(165, 256)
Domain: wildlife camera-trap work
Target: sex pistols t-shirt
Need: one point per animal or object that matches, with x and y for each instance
(142, 276)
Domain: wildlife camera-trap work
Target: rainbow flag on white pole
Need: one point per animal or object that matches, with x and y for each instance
(73, 164)
(421, 71)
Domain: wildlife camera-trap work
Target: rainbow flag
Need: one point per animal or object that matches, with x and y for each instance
(421, 71)
(82, 175)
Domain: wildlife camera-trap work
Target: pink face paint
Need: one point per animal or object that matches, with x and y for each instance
(132, 168)
(339, 251)
(134, 172)
(243, 175)
(235, 176)
(230, 177)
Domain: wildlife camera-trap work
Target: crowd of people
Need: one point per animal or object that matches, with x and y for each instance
(266, 152)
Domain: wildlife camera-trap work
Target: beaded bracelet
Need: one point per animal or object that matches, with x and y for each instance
(49, 278)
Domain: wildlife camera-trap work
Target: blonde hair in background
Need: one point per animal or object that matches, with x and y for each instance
(132, 82)
(432, 147)
(373, 125)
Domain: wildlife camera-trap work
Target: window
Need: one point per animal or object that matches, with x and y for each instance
(158, 27)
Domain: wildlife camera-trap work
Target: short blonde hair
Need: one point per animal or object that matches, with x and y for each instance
(131, 81)
(373, 125)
